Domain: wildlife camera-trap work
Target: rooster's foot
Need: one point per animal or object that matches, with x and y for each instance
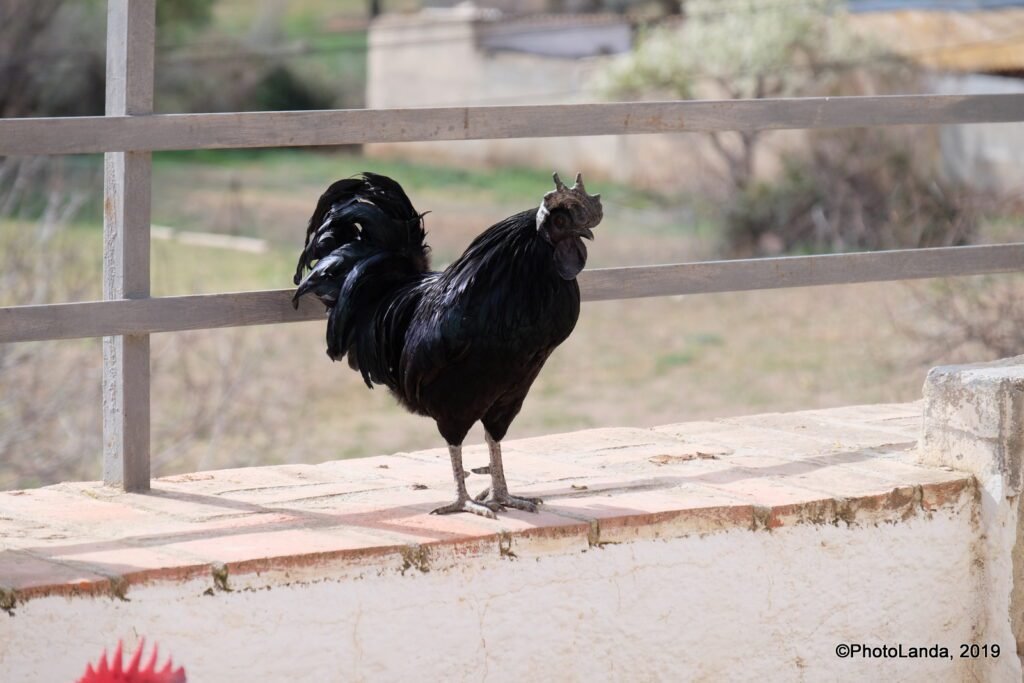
(508, 501)
(465, 505)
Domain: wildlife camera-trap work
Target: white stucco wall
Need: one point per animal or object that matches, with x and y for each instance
(739, 605)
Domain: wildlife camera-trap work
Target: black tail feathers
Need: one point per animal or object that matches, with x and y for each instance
(369, 208)
(363, 243)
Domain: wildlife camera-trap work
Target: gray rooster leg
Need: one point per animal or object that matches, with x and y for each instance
(496, 496)
(463, 503)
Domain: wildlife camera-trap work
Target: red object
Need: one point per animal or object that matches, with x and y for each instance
(114, 672)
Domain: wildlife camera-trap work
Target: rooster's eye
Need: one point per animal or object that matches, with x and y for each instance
(561, 221)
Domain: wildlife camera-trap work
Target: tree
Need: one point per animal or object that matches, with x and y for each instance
(744, 49)
(842, 189)
(22, 25)
(52, 52)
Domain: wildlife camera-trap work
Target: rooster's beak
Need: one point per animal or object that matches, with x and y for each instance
(586, 232)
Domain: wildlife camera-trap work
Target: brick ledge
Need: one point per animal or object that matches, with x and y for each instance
(267, 525)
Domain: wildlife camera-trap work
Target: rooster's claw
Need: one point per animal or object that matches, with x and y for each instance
(466, 505)
(508, 501)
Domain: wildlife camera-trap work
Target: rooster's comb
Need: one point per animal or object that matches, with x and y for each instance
(114, 671)
(585, 208)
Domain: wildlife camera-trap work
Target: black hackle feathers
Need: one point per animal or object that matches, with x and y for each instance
(366, 240)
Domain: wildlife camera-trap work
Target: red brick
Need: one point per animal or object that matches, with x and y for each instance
(692, 509)
(130, 563)
(52, 505)
(27, 576)
(259, 550)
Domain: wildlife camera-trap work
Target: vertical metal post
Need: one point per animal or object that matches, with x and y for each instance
(126, 220)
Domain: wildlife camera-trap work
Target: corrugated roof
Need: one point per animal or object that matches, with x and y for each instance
(947, 5)
(984, 41)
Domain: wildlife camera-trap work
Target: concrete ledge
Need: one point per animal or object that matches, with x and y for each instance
(267, 524)
(974, 422)
(646, 533)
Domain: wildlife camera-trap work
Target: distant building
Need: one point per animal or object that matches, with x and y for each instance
(471, 56)
(967, 53)
(566, 36)
(989, 41)
(467, 55)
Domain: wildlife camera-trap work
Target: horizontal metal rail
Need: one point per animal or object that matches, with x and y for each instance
(338, 127)
(207, 311)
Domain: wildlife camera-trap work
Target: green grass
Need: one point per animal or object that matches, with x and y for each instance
(669, 361)
(693, 347)
(185, 269)
(706, 339)
(176, 268)
(296, 167)
(303, 17)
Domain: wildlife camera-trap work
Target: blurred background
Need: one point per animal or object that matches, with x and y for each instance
(235, 220)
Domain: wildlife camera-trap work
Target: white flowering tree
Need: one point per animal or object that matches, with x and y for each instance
(744, 49)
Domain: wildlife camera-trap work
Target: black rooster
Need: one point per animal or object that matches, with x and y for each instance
(461, 345)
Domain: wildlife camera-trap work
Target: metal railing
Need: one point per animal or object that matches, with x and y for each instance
(130, 132)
